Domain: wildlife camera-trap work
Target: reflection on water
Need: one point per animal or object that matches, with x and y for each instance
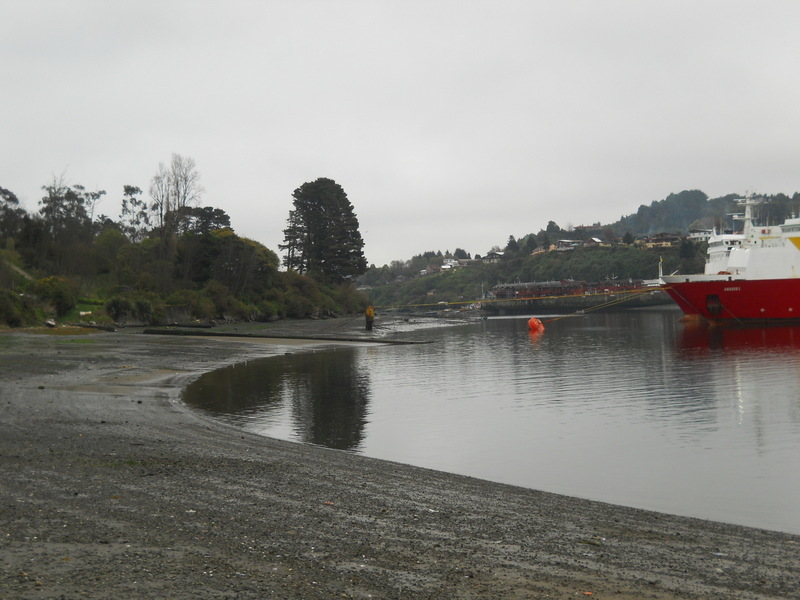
(321, 398)
(697, 336)
(632, 408)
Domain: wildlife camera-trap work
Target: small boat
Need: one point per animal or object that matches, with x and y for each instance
(750, 277)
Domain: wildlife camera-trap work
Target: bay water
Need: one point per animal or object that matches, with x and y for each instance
(632, 408)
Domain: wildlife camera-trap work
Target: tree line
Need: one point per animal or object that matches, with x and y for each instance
(166, 257)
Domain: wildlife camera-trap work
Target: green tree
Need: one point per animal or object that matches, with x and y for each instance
(544, 239)
(244, 266)
(204, 220)
(63, 210)
(198, 247)
(11, 217)
(322, 238)
(512, 247)
(66, 214)
(58, 291)
(134, 217)
(106, 247)
(8, 197)
(528, 244)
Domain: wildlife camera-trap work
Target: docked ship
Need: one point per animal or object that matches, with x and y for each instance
(749, 277)
(554, 297)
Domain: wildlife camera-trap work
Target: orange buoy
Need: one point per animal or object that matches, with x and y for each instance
(535, 324)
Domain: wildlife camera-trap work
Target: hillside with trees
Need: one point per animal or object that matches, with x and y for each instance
(470, 281)
(167, 259)
(692, 209)
(432, 277)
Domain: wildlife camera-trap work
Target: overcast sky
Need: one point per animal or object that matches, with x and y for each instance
(449, 123)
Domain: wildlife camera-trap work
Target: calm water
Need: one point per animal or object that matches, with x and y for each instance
(630, 408)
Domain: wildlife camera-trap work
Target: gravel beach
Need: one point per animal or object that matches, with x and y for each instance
(111, 488)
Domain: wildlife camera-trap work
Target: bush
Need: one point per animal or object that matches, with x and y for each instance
(242, 311)
(225, 304)
(119, 309)
(143, 311)
(9, 311)
(58, 291)
(268, 309)
(194, 303)
(298, 306)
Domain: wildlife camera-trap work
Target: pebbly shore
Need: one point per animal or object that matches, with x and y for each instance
(111, 488)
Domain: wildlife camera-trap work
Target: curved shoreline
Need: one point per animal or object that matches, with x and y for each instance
(111, 488)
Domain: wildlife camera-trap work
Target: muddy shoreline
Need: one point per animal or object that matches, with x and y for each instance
(111, 488)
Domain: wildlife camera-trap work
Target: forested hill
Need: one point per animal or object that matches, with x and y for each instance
(393, 286)
(677, 213)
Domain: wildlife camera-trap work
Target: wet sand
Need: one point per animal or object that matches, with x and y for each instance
(111, 488)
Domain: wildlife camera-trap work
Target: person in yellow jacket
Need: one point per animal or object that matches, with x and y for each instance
(370, 313)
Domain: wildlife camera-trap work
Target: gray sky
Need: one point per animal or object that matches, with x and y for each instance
(449, 123)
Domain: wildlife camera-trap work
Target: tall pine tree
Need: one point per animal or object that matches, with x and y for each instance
(322, 239)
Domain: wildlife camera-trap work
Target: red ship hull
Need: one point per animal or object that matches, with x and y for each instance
(736, 300)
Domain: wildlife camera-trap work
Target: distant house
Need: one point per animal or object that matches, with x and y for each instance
(662, 240)
(700, 235)
(450, 263)
(594, 243)
(493, 256)
(564, 245)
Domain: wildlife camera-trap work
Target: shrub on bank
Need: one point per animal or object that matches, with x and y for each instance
(58, 291)
(19, 310)
(119, 309)
(9, 312)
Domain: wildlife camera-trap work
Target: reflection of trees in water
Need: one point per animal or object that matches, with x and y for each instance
(240, 389)
(327, 392)
(329, 397)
